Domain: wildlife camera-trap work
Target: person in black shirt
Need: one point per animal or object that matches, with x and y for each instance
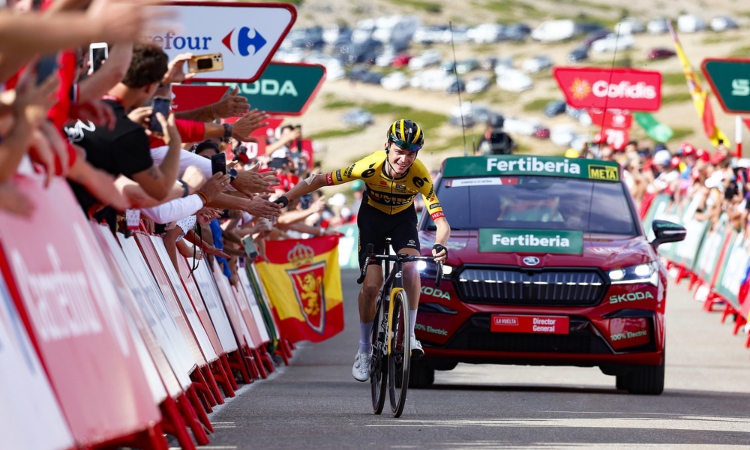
(495, 141)
(125, 149)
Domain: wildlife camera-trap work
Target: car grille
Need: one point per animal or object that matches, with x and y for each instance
(547, 287)
(476, 335)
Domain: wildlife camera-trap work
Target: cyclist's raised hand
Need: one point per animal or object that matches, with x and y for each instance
(440, 253)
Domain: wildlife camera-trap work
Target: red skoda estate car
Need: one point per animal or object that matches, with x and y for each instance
(548, 265)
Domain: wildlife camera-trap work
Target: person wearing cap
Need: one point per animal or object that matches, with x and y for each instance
(393, 177)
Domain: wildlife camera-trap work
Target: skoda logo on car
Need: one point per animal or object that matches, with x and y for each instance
(531, 260)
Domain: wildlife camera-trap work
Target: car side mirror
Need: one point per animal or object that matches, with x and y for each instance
(666, 231)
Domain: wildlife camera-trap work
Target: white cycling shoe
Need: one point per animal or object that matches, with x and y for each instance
(361, 368)
(416, 348)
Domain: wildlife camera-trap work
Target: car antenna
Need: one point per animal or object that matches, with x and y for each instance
(458, 89)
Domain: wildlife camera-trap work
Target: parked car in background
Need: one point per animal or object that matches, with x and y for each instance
(477, 84)
(401, 60)
(629, 25)
(541, 132)
(467, 66)
(657, 26)
(429, 34)
(660, 53)
(395, 81)
(554, 30)
(513, 80)
(578, 54)
(613, 42)
(457, 35)
(425, 59)
(455, 86)
(486, 33)
(357, 117)
(333, 33)
(690, 23)
(517, 32)
(431, 80)
(537, 64)
(554, 108)
(447, 66)
(525, 127)
(396, 28)
(723, 23)
(594, 36)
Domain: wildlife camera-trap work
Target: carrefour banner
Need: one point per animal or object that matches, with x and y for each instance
(303, 281)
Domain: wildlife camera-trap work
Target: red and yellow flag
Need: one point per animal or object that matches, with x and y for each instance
(303, 282)
(700, 97)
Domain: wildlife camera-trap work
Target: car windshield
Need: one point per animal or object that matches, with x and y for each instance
(540, 203)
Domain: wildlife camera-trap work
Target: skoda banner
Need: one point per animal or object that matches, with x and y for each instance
(634, 90)
(283, 89)
(229, 40)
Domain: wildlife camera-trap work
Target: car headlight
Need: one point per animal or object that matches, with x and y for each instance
(430, 268)
(641, 273)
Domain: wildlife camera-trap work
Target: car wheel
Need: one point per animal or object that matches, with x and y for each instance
(648, 380)
(422, 376)
(621, 382)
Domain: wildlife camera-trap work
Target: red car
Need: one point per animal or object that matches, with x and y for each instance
(660, 53)
(401, 60)
(548, 265)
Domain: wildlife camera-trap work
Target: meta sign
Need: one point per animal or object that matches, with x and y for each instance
(634, 90)
(283, 89)
(730, 80)
(241, 38)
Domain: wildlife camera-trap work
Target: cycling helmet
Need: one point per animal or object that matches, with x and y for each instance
(406, 134)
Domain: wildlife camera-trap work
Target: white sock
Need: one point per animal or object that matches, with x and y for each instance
(412, 320)
(365, 337)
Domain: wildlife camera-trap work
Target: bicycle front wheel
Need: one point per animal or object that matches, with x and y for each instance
(378, 364)
(399, 355)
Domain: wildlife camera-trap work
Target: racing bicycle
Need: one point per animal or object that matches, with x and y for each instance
(391, 346)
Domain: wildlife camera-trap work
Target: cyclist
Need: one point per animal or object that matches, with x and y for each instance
(392, 177)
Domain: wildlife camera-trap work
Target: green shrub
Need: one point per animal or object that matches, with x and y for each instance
(537, 105)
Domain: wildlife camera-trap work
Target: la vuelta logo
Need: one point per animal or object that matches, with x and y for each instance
(634, 90)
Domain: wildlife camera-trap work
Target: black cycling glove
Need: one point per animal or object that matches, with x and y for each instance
(283, 201)
(439, 248)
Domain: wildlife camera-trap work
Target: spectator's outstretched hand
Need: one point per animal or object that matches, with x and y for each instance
(260, 207)
(251, 182)
(214, 186)
(176, 72)
(232, 105)
(248, 123)
(33, 102)
(125, 21)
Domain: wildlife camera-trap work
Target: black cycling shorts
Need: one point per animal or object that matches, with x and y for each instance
(375, 226)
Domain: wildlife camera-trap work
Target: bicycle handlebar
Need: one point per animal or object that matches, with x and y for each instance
(402, 258)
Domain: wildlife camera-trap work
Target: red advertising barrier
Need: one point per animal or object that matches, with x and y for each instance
(57, 276)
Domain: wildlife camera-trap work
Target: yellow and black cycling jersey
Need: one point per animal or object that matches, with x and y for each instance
(390, 195)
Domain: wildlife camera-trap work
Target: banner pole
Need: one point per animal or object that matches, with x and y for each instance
(738, 134)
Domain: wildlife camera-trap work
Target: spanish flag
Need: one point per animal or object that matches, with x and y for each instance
(303, 282)
(700, 97)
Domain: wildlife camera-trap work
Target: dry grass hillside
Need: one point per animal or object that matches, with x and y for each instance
(340, 146)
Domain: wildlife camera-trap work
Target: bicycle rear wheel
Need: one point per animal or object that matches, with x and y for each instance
(399, 355)
(378, 364)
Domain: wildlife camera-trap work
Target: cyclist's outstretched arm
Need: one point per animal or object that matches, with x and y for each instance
(306, 186)
(442, 234)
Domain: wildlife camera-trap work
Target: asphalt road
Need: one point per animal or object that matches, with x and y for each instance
(315, 402)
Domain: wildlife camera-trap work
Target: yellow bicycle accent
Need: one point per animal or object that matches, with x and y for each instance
(394, 291)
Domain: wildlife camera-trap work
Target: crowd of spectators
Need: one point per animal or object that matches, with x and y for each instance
(715, 182)
(95, 127)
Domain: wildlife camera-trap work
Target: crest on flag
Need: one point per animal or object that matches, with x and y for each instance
(307, 280)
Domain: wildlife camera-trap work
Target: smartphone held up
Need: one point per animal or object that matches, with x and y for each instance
(160, 105)
(98, 52)
(206, 63)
